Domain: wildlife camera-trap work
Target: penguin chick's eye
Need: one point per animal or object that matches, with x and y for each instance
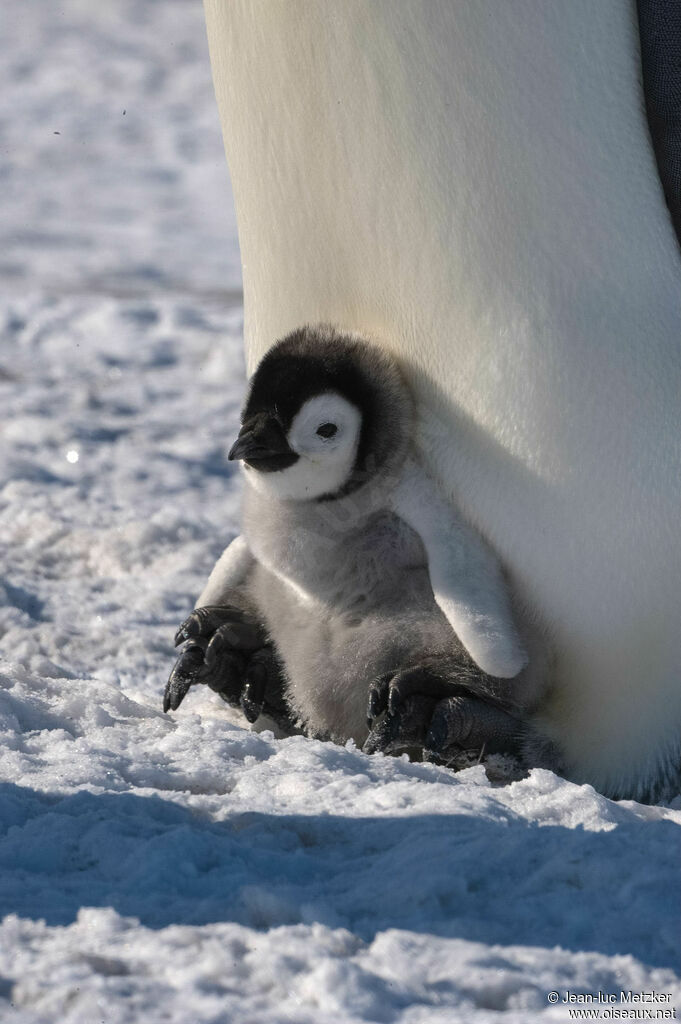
(327, 429)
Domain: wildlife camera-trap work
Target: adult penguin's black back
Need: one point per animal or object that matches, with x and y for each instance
(660, 31)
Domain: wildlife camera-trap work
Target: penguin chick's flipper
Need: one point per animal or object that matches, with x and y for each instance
(419, 711)
(230, 570)
(466, 578)
(226, 649)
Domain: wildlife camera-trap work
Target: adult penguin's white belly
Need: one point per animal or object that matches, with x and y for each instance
(473, 184)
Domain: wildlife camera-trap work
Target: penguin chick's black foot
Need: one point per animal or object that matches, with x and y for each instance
(419, 712)
(227, 649)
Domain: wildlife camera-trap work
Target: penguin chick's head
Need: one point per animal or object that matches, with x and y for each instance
(325, 413)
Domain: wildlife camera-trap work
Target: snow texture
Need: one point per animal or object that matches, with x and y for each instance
(181, 868)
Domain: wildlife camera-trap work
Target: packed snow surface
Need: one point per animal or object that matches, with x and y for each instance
(180, 867)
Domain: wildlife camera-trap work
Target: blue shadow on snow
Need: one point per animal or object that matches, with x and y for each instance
(460, 876)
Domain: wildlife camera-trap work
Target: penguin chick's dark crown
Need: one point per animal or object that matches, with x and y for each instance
(312, 360)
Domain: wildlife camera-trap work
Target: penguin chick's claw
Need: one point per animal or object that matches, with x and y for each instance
(263, 690)
(421, 713)
(262, 681)
(219, 643)
(205, 623)
(184, 675)
(227, 650)
(468, 723)
(390, 690)
(403, 732)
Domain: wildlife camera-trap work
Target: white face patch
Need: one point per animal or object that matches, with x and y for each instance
(325, 434)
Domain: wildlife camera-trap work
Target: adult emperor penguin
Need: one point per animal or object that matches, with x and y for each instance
(476, 183)
(371, 591)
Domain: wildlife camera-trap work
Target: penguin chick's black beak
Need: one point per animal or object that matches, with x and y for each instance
(262, 445)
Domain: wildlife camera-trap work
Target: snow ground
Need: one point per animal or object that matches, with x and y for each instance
(181, 868)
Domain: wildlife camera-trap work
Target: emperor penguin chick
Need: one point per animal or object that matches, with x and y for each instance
(356, 604)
